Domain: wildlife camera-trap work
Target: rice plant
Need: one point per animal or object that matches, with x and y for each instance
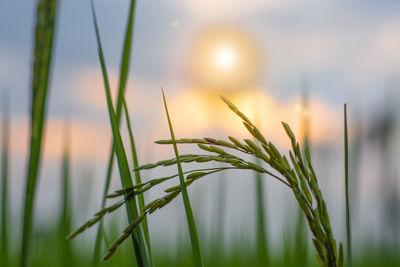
(46, 245)
(124, 70)
(44, 37)
(297, 173)
(126, 179)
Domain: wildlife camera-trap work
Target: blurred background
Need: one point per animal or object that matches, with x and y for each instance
(279, 60)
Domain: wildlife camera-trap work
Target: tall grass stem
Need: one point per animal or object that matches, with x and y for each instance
(44, 38)
(301, 245)
(5, 212)
(261, 219)
(262, 241)
(346, 180)
(65, 218)
(126, 179)
(185, 196)
(137, 178)
(124, 70)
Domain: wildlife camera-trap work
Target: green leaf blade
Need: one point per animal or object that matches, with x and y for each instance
(185, 196)
(346, 180)
(44, 39)
(124, 170)
(5, 155)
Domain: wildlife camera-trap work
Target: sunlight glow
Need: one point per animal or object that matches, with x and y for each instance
(205, 113)
(225, 57)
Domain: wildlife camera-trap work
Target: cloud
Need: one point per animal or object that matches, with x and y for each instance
(386, 47)
(14, 69)
(209, 9)
(369, 57)
(197, 112)
(89, 141)
(221, 8)
(88, 90)
(88, 86)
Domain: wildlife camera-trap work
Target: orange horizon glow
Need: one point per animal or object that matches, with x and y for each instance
(205, 111)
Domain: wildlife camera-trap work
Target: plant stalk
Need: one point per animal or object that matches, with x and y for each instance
(44, 37)
(185, 196)
(346, 180)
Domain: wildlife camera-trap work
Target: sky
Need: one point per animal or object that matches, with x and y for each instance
(347, 51)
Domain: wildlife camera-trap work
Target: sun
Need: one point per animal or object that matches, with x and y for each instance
(225, 59)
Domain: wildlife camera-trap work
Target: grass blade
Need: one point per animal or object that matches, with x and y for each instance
(65, 218)
(346, 180)
(217, 245)
(5, 143)
(124, 170)
(262, 243)
(301, 244)
(100, 233)
(138, 178)
(261, 219)
(124, 69)
(44, 36)
(189, 213)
